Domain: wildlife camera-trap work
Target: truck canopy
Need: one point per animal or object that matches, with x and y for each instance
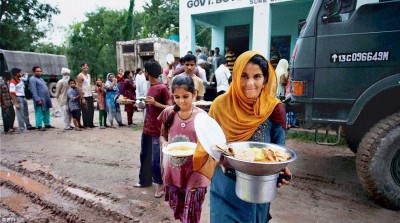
(50, 63)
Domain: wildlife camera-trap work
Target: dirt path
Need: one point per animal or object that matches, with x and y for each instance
(70, 176)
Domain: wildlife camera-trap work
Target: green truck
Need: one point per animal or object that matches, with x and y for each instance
(51, 65)
(345, 71)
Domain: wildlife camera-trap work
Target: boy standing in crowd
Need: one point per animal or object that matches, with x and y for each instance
(190, 66)
(74, 103)
(158, 98)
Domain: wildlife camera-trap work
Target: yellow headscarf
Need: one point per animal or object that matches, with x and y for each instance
(238, 116)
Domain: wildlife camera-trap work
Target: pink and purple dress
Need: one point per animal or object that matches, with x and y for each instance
(184, 189)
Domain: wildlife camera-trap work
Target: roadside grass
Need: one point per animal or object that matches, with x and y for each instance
(309, 137)
(138, 127)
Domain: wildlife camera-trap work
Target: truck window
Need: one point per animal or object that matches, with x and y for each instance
(335, 11)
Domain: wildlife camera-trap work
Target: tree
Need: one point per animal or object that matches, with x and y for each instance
(94, 41)
(19, 23)
(161, 18)
(50, 48)
(128, 30)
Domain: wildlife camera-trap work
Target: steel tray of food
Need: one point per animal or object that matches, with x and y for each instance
(260, 159)
(124, 101)
(202, 103)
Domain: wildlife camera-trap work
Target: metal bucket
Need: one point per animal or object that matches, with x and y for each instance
(256, 189)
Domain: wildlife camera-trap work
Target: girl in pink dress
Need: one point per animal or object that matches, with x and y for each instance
(184, 189)
(101, 94)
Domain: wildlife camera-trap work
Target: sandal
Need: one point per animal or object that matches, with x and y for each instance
(160, 191)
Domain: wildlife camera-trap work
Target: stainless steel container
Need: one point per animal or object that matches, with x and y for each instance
(140, 104)
(256, 182)
(256, 189)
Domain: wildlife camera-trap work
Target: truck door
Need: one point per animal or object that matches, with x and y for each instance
(353, 47)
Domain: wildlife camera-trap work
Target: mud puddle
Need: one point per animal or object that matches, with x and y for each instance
(25, 193)
(25, 182)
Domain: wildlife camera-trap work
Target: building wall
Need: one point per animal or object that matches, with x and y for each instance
(285, 19)
(266, 19)
(230, 18)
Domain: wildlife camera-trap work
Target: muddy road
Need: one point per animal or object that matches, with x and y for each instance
(88, 176)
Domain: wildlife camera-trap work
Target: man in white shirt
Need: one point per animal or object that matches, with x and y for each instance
(87, 106)
(142, 84)
(62, 98)
(222, 75)
(202, 72)
(203, 75)
(17, 92)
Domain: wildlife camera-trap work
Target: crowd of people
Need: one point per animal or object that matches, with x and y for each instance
(13, 101)
(247, 108)
(74, 99)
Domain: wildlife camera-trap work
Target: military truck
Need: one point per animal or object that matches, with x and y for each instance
(51, 65)
(345, 71)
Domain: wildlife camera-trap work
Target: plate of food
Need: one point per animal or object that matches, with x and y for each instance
(125, 100)
(258, 158)
(180, 149)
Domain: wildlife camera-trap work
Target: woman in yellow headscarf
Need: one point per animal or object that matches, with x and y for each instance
(248, 111)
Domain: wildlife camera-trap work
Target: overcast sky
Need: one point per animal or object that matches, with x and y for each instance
(74, 11)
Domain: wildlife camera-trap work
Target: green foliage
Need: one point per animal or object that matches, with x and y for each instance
(161, 18)
(18, 23)
(94, 41)
(138, 127)
(128, 29)
(50, 48)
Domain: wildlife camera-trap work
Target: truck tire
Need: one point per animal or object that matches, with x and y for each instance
(378, 162)
(52, 89)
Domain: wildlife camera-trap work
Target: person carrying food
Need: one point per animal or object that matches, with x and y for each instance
(248, 111)
(185, 190)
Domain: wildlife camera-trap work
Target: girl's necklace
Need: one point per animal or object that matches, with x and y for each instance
(183, 124)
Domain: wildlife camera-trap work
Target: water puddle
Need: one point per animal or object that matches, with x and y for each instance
(89, 196)
(16, 202)
(25, 182)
